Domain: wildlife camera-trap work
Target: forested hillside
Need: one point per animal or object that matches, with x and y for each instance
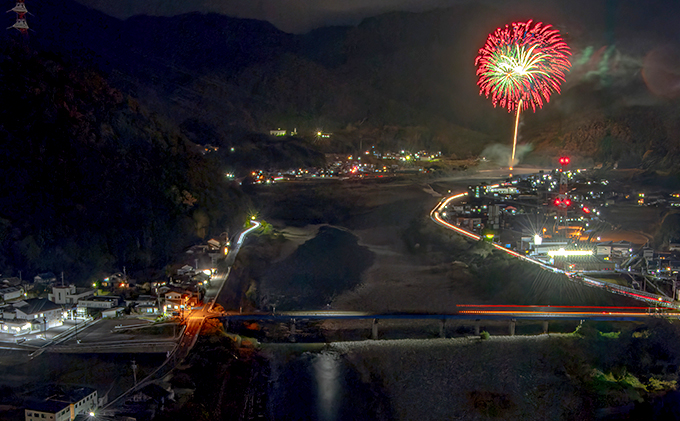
(92, 181)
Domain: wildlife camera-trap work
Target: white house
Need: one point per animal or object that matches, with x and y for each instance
(69, 294)
(39, 309)
(35, 314)
(45, 278)
(11, 293)
(103, 302)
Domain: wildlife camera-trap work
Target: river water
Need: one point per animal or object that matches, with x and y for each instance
(322, 386)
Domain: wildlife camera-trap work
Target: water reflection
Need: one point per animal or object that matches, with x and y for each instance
(328, 388)
(323, 386)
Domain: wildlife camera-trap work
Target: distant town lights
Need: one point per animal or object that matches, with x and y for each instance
(563, 252)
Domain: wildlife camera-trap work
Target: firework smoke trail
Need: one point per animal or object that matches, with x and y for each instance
(514, 139)
(521, 66)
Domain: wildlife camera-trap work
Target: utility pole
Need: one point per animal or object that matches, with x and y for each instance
(134, 371)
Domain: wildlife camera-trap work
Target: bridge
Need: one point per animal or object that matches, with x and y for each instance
(468, 314)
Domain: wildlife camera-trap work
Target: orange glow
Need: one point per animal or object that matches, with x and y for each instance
(562, 313)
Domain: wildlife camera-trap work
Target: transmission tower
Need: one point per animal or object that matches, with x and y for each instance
(20, 9)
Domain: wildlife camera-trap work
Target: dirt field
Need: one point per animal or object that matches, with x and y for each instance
(412, 277)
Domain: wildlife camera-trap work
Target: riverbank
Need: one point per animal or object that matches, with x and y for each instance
(554, 376)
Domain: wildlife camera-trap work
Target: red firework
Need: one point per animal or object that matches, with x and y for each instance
(522, 64)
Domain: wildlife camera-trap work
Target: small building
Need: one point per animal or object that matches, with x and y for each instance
(45, 278)
(469, 223)
(142, 300)
(61, 404)
(11, 293)
(144, 304)
(103, 302)
(185, 270)
(277, 132)
(546, 246)
(173, 296)
(69, 294)
(113, 312)
(12, 282)
(47, 313)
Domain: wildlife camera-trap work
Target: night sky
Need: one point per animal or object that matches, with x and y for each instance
(288, 15)
(303, 15)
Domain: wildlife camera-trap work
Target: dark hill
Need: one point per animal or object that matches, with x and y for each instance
(91, 181)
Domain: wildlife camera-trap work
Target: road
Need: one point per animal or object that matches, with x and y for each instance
(469, 311)
(193, 323)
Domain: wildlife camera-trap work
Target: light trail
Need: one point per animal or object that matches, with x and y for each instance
(547, 306)
(457, 229)
(561, 314)
(255, 226)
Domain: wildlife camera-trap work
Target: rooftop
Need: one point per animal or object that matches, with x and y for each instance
(36, 305)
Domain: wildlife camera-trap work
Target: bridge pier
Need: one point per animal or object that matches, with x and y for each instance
(291, 336)
(512, 326)
(374, 329)
(545, 326)
(477, 327)
(442, 328)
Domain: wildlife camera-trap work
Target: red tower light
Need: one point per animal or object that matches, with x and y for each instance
(567, 202)
(564, 160)
(557, 202)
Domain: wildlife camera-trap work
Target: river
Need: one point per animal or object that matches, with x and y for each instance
(321, 385)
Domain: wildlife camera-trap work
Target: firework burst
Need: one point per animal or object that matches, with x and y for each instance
(522, 62)
(520, 66)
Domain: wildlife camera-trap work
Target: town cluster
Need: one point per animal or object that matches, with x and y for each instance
(47, 301)
(560, 218)
(369, 164)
